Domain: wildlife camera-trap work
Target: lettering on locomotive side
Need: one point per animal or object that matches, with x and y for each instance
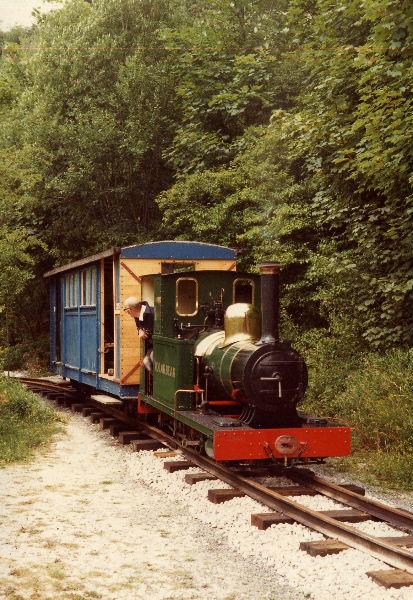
(164, 369)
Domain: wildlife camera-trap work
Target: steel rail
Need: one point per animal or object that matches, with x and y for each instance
(391, 555)
(398, 517)
(47, 386)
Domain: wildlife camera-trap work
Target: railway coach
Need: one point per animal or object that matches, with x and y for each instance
(93, 341)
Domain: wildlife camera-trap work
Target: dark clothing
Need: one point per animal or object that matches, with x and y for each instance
(146, 321)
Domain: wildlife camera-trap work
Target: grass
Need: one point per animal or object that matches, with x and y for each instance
(373, 393)
(386, 470)
(378, 400)
(26, 422)
(45, 581)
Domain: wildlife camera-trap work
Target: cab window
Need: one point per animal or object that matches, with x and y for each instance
(186, 297)
(243, 291)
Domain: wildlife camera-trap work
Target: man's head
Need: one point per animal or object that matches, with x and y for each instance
(133, 306)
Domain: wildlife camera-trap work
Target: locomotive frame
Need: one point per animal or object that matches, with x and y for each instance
(191, 285)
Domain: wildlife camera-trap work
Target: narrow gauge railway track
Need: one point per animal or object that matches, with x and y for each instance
(390, 552)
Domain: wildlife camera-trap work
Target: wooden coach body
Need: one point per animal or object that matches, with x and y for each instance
(93, 341)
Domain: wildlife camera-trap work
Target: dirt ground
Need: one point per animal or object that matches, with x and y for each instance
(74, 526)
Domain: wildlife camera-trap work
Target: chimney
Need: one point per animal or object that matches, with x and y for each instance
(270, 302)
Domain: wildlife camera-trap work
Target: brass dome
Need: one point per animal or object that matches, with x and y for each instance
(242, 323)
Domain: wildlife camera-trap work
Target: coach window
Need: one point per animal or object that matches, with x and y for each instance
(67, 296)
(244, 291)
(176, 267)
(71, 290)
(88, 287)
(186, 297)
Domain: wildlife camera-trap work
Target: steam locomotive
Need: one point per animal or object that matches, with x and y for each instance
(223, 381)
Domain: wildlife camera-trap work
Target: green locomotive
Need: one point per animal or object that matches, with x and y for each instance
(222, 380)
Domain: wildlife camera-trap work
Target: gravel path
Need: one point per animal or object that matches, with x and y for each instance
(74, 525)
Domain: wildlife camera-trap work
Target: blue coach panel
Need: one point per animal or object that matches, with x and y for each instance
(88, 321)
(179, 250)
(71, 347)
(71, 339)
(80, 327)
(88, 339)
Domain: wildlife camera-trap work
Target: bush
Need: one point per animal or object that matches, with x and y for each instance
(331, 355)
(371, 392)
(32, 356)
(11, 358)
(26, 422)
(378, 402)
(391, 469)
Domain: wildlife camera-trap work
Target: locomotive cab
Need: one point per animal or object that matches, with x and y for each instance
(188, 307)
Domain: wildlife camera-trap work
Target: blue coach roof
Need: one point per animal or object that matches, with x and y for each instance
(179, 250)
(168, 249)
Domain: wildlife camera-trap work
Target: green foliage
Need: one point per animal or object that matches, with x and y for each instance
(11, 357)
(80, 158)
(32, 355)
(373, 393)
(330, 177)
(87, 126)
(229, 79)
(378, 402)
(392, 470)
(26, 422)
(17, 251)
(216, 193)
(331, 355)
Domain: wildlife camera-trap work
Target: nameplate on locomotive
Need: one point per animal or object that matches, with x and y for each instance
(164, 369)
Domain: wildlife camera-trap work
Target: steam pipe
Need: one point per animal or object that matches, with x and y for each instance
(270, 302)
